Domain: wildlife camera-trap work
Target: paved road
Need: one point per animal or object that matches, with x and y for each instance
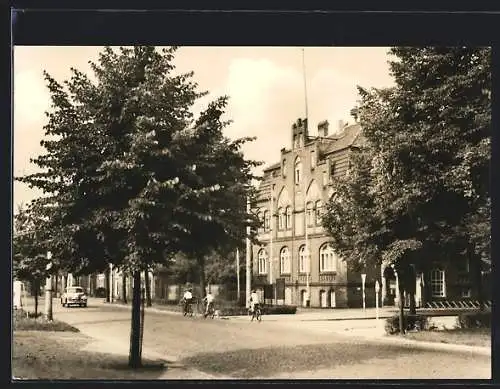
(271, 349)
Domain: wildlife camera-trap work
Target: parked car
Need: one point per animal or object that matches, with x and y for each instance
(74, 295)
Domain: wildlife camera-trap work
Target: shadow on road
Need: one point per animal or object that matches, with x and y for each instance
(268, 362)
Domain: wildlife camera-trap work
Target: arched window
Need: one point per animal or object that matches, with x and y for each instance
(303, 260)
(288, 217)
(298, 171)
(327, 259)
(262, 262)
(438, 285)
(319, 212)
(310, 214)
(281, 219)
(267, 221)
(313, 159)
(285, 261)
(283, 168)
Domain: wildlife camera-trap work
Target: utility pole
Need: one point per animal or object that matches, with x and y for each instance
(271, 251)
(306, 236)
(48, 289)
(248, 261)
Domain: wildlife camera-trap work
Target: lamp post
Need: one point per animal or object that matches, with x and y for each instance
(377, 289)
(363, 279)
(48, 289)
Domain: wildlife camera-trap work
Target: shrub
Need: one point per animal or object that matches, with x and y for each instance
(474, 320)
(279, 309)
(410, 322)
(23, 322)
(266, 310)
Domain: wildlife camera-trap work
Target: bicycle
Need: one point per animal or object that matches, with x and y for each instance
(187, 308)
(257, 313)
(210, 312)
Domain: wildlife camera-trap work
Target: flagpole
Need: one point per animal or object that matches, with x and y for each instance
(248, 261)
(305, 84)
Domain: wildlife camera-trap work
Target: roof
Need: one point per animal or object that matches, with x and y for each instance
(350, 136)
(274, 166)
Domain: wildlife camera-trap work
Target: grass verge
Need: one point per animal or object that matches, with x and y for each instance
(23, 321)
(58, 356)
(480, 337)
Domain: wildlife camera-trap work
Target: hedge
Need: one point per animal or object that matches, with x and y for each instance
(410, 322)
(474, 320)
(266, 310)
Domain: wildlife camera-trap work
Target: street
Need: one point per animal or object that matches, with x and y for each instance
(238, 348)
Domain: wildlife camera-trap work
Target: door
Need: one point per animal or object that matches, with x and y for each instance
(303, 297)
(323, 299)
(333, 300)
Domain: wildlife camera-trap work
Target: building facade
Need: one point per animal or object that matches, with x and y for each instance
(295, 262)
(295, 255)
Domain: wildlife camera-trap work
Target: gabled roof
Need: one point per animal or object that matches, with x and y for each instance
(349, 136)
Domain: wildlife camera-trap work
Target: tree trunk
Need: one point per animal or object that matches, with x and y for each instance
(401, 311)
(201, 263)
(134, 359)
(35, 286)
(413, 305)
(148, 288)
(56, 289)
(106, 281)
(124, 287)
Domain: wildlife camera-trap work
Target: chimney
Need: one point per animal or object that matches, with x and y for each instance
(341, 125)
(323, 128)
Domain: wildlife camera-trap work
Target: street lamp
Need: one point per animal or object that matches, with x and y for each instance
(48, 289)
(363, 279)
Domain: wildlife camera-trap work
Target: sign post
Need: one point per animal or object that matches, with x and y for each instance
(363, 279)
(377, 289)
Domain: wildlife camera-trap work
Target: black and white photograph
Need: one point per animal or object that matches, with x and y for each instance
(251, 212)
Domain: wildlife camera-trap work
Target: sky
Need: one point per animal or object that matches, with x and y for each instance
(265, 86)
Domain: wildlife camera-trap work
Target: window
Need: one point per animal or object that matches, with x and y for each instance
(298, 171)
(313, 159)
(310, 214)
(438, 287)
(332, 170)
(325, 178)
(281, 219)
(303, 260)
(463, 265)
(285, 261)
(267, 221)
(262, 262)
(288, 217)
(295, 142)
(327, 259)
(466, 292)
(261, 221)
(283, 167)
(319, 211)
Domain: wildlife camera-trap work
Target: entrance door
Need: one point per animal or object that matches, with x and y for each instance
(333, 301)
(323, 299)
(303, 296)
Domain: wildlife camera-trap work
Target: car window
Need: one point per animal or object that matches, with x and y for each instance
(75, 290)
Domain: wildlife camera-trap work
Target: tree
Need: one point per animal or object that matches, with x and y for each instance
(419, 187)
(29, 254)
(135, 177)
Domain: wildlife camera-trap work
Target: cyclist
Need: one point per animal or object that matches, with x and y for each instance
(254, 300)
(209, 301)
(188, 298)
